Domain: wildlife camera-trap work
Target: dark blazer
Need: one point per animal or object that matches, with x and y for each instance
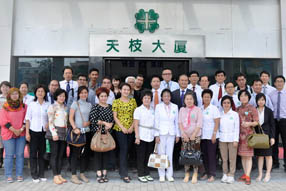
(269, 124)
(176, 97)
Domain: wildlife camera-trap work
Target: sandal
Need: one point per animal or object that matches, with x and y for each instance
(126, 179)
(242, 178)
(99, 179)
(247, 180)
(104, 177)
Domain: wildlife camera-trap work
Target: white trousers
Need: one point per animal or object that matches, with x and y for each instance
(166, 147)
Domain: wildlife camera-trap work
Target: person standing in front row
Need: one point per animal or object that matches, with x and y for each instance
(167, 131)
(144, 118)
(36, 125)
(278, 98)
(210, 135)
(248, 117)
(190, 123)
(57, 115)
(228, 138)
(123, 110)
(266, 121)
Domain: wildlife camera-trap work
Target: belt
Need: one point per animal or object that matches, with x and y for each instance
(147, 127)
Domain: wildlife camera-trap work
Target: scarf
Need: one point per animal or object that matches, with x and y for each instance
(13, 105)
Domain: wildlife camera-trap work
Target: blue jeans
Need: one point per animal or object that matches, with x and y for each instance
(14, 147)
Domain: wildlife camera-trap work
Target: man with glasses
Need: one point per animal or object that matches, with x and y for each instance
(230, 91)
(167, 80)
(278, 98)
(53, 86)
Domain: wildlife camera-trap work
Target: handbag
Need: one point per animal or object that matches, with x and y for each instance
(77, 140)
(102, 142)
(190, 157)
(158, 161)
(258, 140)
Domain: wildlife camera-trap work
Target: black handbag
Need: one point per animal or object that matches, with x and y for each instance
(190, 157)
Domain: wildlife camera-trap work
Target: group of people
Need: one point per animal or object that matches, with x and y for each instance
(174, 116)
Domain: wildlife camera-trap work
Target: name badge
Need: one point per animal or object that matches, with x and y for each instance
(231, 118)
(193, 116)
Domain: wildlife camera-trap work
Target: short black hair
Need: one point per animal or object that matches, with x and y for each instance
(166, 91)
(166, 69)
(203, 77)
(183, 75)
(36, 89)
(6, 83)
(67, 68)
(240, 75)
(257, 80)
(245, 92)
(228, 83)
(24, 83)
(139, 75)
(146, 93)
(279, 76)
(106, 78)
(225, 98)
(80, 89)
(194, 72)
(58, 92)
(219, 72)
(81, 75)
(264, 72)
(207, 91)
(258, 97)
(156, 76)
(93, 70)
(124, 84)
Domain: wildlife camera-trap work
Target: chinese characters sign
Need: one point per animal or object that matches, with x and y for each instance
(146, 46)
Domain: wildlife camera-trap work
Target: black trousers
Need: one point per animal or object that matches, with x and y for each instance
(280, 130)
(87, 154)
(76, 156)
(124, 142)
(58, 149)
(101, 160)
(144, 149)
(176, 154)
(37, 151)
(209, 156)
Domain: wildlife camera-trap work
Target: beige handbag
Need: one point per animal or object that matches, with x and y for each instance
(158, 161)
(102, 142)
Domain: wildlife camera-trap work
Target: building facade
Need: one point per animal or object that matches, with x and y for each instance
(127, 37)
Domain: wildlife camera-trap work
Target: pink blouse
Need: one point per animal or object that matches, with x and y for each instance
(191, 118)
(15, 118)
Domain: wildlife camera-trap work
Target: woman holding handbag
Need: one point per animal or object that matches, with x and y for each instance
(190, 123)
(228, 139)
(79, 120)
(144, 117)
(123, 109)
(248, 117)
(167, 132)
(101, 119)
(56, 133)
(267, 123)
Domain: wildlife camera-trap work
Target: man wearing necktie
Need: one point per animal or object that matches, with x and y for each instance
(155, 84)
(278, 98)
(218, 88)
(53, 86)
(167, 82)
(265, 78)
(68, 84)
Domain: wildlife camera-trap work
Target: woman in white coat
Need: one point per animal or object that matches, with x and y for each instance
(166, 124)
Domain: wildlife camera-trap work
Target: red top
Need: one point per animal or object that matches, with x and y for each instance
(15, 118)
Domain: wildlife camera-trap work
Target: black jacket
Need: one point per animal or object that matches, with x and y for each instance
(269, 124)
(176, 97)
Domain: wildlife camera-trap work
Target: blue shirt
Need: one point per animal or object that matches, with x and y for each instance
(274, 99)
(173, 85)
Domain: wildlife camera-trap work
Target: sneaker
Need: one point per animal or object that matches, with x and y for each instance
(170, 179)
(230, 179)
(142, 179)
(149, 178)
(162, 179)
(224, 178)
(43, 179)
(36, 180)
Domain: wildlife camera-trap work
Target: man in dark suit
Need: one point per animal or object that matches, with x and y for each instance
(178, 99)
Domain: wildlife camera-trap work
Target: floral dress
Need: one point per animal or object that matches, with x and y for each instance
(247, 113)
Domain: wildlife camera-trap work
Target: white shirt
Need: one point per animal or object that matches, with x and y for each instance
(215, 88)
(214, 101)
(197, 87)
(27, 99)
(173, 85)
(261, 116)
(73, 85)
(268, 103)
(229, 126)
(267, 89)
(209, 115)
(166, 120)
(37, 115)
(248, 89)
(146, 119)
(110, 98)
(235, 99)
(159, 97)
